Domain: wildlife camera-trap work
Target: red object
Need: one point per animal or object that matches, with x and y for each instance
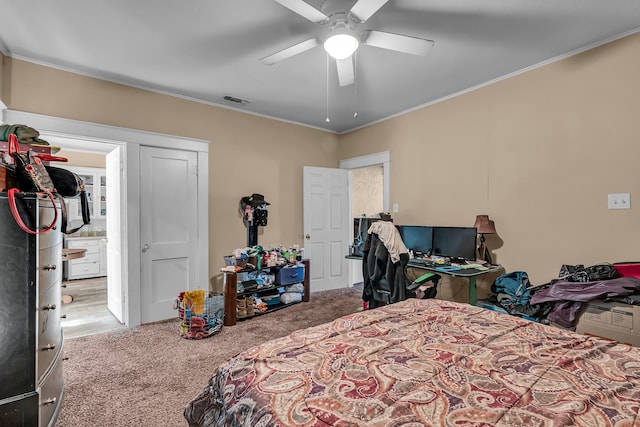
(50, 158)
(38, 149)
(16, 214)
(44, 152)
(628, 269)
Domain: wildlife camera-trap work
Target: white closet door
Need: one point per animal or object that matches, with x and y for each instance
(168, 229)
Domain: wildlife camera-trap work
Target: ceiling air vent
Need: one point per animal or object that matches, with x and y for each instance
(236, 100)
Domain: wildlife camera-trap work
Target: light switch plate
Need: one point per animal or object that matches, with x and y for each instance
(619, 201)
(395, 208)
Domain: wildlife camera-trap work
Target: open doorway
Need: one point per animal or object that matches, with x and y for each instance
(124, 147)
(368, 194)
(87, 305)
(367, 191)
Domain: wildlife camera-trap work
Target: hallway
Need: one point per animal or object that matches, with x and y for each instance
(87, 314)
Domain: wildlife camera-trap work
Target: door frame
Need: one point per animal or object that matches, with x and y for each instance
(375, 159)
(95, 137)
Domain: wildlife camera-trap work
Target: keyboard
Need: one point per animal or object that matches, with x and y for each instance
(424, 262)
(470, 271)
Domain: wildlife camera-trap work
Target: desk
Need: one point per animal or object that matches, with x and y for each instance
(470, 274)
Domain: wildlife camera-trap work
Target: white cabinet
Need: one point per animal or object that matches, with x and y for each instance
(94, 261)
(95, 182)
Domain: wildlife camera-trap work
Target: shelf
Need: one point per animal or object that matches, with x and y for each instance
(271, 309)
(261, 291)
(230, 290)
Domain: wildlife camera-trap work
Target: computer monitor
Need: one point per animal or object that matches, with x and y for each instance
(459, 242)
(417, 238)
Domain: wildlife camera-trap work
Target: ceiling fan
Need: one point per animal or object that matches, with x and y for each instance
(342, 39)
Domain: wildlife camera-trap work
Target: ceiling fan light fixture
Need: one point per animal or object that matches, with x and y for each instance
(341, 45)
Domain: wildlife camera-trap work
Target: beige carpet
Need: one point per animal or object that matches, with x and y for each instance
(146, 375)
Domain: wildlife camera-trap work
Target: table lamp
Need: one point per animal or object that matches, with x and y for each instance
(484, 226)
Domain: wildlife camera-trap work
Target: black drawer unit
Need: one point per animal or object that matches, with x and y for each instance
(31, 340)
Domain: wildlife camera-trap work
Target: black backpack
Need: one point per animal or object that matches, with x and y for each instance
(594, 273)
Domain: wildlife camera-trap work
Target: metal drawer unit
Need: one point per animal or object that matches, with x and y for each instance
(31, 340)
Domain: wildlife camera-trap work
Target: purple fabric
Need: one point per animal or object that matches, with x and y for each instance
(569, 296)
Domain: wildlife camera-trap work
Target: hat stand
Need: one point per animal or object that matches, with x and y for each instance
(252, 236)
(248, 206)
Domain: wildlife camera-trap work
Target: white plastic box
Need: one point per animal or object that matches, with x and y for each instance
(613, 320)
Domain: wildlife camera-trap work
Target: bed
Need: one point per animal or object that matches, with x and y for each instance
(426, 362)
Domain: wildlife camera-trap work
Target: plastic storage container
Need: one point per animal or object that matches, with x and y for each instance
(290, 274)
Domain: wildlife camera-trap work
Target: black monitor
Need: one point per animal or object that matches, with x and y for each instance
(417, 238)
(459, 242)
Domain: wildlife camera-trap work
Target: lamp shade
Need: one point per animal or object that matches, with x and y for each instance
(484, 225)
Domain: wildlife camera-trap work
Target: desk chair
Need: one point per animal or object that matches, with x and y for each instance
(421, 288)
(385, 280)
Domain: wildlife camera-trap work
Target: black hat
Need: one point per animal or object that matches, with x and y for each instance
(255, 200)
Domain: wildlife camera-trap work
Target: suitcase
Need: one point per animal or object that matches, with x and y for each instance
(628, 269)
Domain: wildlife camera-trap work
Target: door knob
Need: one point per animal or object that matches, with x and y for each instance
(307, 236)
(145, 248)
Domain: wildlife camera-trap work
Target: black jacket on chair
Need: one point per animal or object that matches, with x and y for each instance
(384, 280)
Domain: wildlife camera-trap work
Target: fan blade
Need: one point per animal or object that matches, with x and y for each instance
(305, 10)
(397, 42)
(346, 74)
(289, 52)
(364, 9)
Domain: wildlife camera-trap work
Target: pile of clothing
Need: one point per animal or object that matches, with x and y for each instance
(560, 300)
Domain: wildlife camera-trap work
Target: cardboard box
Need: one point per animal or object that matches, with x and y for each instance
(457, 288)
(613, 320)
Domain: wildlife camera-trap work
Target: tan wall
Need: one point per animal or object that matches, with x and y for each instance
(248, 154)
(538, 152)
(77, 158)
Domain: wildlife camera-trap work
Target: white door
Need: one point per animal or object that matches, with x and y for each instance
(168, 229)
(326, 226)
(115, 290)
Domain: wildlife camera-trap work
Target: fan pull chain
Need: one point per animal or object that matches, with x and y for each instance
(327, 119)
(355, 85)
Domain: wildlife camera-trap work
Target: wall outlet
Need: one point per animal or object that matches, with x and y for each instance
(619, 201)
(395, 208)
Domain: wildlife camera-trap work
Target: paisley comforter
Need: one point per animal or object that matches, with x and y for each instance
(426, 363)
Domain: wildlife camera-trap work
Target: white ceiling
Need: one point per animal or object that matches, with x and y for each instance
(208, 49)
